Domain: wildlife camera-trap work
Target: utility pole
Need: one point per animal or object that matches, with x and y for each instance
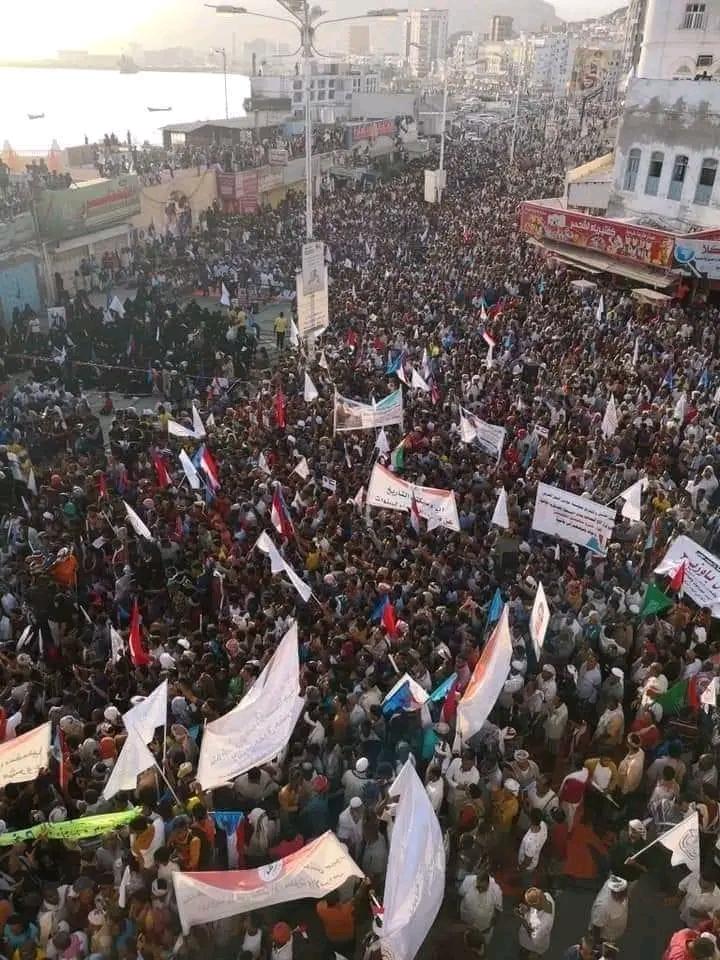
(520, 78)
(307, 36)
(441, 165)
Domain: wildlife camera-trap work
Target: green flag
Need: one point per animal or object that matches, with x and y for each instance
(72, 830)
(681, 695)
(654, 601)
(397, 457)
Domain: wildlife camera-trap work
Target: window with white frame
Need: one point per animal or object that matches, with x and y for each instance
(631, 170)
(655, 167)
(694, 18)
(677, 180)
(706, 181)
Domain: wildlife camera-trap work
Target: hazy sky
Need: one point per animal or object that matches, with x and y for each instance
(41, 27)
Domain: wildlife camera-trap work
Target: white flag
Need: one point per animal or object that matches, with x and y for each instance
(149, 714)
(191, 473)
(117, 644)
(260, 726)
(31, 484)
(500, 513)
(136, 523)
(263, 464)
(487, 680)
(176, 429)
(636, 352)
(210, 422)
(279, 563)
(322, 362)
(302, 469)
(359, 497)
(198, 425)
(133, 760)
(684, 842)
(600, 309)
(415, 879)
(539, 619)
(117, 306)
(417, 382)
(294, 334)
(633, 500)
(224, 296)
(310, 391)
(710, 694)
(467, 430)
(381, 444)
(610, 420)
(681, 407)
(22, 758)
(489, 358)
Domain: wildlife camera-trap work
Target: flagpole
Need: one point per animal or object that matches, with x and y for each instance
(167, 783)
(658, 839)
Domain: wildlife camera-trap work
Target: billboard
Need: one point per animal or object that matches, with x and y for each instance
(622, 241)
(86, 207)
(313, 266)
(313, 309)
(698, 257)
(589, 72)
(278, 157)
(239, 191)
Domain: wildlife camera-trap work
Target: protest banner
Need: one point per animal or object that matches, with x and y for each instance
(490, 437)
(354, 415)
(569, 517)
(702, 572)
(390, 492)
(314, 871)
(23, 758)
(72, 830)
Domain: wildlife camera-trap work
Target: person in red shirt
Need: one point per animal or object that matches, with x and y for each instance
(689, 945)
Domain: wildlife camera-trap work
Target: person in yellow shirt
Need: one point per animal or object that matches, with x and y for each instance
(280, 327)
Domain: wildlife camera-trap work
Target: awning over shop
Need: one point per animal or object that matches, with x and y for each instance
(593, 263)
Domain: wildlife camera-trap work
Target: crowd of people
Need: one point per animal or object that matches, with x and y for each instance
(591, 751)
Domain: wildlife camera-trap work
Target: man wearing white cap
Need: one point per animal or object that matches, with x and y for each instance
(354, 781)
(350, 826)
(609, 914)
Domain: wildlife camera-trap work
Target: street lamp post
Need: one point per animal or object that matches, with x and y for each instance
(223, 54)
(302, 20)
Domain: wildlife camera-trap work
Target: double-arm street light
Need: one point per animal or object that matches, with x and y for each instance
(306, 21)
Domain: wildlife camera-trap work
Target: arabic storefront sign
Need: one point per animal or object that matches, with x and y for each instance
(368, 131)
(622, 241)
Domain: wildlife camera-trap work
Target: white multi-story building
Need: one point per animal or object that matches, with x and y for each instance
(332, 86)
(550, 63)
(681, 40)
(426, 40)
(667, 155)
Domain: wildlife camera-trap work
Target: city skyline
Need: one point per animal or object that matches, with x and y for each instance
(41, 30)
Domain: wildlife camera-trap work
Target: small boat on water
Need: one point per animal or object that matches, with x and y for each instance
(35, 116)
(159, 109)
